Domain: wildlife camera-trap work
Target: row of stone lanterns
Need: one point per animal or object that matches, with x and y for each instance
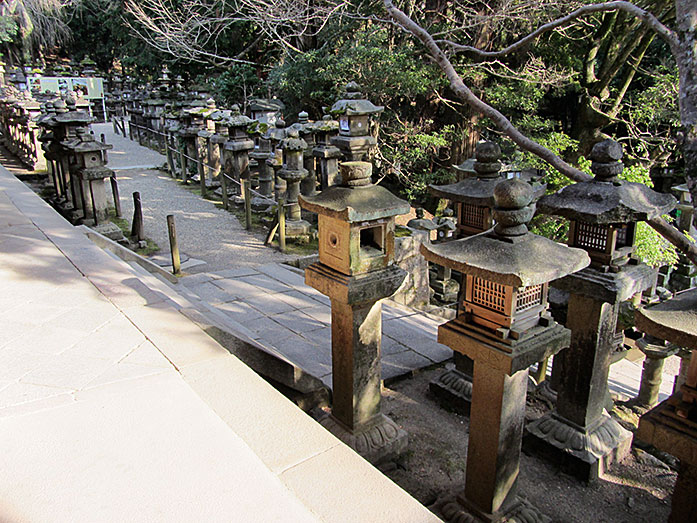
(76, 164)
(202, 140)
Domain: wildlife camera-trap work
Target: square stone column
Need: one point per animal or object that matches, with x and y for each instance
(356, 416)
(578, 435)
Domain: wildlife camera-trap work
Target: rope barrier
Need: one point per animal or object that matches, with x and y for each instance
(227, 177)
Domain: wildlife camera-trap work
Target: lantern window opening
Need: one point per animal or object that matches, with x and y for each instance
(528, 297)
(591, 236)
(472, 215)
(372, 241)
(488, 294)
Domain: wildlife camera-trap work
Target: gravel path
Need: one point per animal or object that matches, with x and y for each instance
(205, 231)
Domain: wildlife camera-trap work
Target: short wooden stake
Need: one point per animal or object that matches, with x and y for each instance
(137, 227)
(173, 245)
(282, 224)
(247, 202)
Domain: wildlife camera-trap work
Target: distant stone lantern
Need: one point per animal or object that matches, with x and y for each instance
(327, 155)
(603, 213)
(265, 111)
(293, 172)
(92, 172)
(275, 161)
(356, 270)
(236, 149)
(354, 113)
(503, 327)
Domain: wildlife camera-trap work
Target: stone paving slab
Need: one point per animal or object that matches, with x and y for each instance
(274, 302)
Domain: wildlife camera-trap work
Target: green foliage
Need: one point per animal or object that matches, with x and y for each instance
(8, 29)
(411, 161)
(237, 84)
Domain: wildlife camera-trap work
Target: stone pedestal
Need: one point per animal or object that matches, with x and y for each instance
(356, 417)
(454, 387)
(578, 435)
(667, 429)
(497, 419)
(656, 351)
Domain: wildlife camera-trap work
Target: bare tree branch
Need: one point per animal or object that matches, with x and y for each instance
(618, 5)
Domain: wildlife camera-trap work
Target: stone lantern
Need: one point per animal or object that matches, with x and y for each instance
(216, 142)
(356, 270)
(670, 426)
(206, 130)
(293, 172)
(504, 327)
(237, 147)
(308, 185)
(261, 153)
(92, 173)
(354, 113)
(265, 111)
(684, 276)
(578, 435)
(327, 155)
(275, 161)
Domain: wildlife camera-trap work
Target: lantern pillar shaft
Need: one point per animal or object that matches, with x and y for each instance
(496, 429)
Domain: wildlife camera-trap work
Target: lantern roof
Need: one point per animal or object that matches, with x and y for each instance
(236, 119)
(607, 199)
(674, 320)
(353, 103)
(357, 198)
(510, 254)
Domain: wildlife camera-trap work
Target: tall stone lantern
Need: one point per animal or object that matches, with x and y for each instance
(504, 327)
(293, 172)
(356, 270)
(327, 155)
(355, 114)
(578, 435)
(474, 200)
(473, 197)
(237, 147)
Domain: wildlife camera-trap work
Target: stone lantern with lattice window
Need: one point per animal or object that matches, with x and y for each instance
(504, 327)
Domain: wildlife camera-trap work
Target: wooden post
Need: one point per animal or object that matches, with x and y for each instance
(115, 193)
(223, 187)
(173, 245)
(182, 163)
(94, 207)
(201, 176)
(247, 202)
(104, 153)
(282, 224)
(137, 227)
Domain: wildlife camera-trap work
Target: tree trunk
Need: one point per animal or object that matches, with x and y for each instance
(686, 17)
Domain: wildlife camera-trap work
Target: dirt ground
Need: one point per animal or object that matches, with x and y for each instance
(637, 489)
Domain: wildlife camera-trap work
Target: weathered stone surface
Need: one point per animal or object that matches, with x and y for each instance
(673, 320)
(529, 261)
(607, 199)
(357, 203)
(608, 287)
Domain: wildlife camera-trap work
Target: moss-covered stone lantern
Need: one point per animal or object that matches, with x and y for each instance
(503, 327)
(237, 147)
(326, 154)
(578, 436)
(354, 114)
(356, 270)
(293, 172)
